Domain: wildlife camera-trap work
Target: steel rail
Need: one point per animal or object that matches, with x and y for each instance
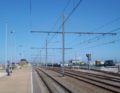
(93, 80)
(99, 76)
(44, 81)
(88, 82)
(56, 81)
(110, 73)
(95, 75)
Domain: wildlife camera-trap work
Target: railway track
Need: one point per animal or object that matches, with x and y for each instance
(53, 85)
(97, 76)
(106, 72)
(85, 75)
(95, 82)
(100, 76)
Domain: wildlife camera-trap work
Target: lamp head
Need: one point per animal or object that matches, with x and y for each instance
(5, 21)
(12, 31)
(32, 47)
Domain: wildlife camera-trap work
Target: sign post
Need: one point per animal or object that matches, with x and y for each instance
(89, 58)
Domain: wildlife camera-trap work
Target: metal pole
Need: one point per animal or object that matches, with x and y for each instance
(52, 59)
(46, 54)
(118, 68)
(89, 66)
(40, 57)
(22, 52)
(11, 52)
(92, 55)
(17, 58)
(6, 48)
(63, 49)
(2, 60)
(20, 56)
(98, 50)
(8, 53)
(15, 50)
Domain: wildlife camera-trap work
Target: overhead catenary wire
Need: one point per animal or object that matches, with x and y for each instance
(99, 28)
(101, 35)
(72, 40)
(47, 24)
(110, 31)
(95, 26)
(84, 45)
(57, 20)
(78, 26)
(94, 38)
(65, 21)
(94, 46)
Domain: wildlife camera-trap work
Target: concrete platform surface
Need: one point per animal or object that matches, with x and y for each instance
(2, 74)
(36, 82)
(18, 82)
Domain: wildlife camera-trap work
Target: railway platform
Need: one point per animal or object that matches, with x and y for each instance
(18, 82)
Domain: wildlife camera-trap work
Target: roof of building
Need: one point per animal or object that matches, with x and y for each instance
(23, 60)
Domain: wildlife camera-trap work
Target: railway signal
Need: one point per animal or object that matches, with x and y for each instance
(89, 59)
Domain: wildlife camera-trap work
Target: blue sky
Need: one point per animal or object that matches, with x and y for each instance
(89, 15)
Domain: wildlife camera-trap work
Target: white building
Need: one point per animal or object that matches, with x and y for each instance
(93, 63)
(79, 58)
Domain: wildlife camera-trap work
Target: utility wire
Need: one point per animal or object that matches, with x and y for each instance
(47, 23)
(94, 38)
(105, 24)
(58, 19)
(101, 27)
(87, 44)
(78, 26)
(85, 23)
(73, 40)
(94, 46)
(66, 19)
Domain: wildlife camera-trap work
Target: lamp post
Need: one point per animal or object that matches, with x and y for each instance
(22, 50)
(20, 57)
(11, 49)
(23, 54)
(6, 47)
(8, 53)
(15, 50)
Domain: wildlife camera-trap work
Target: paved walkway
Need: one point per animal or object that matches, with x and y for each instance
(2, 74)
(18, 82)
